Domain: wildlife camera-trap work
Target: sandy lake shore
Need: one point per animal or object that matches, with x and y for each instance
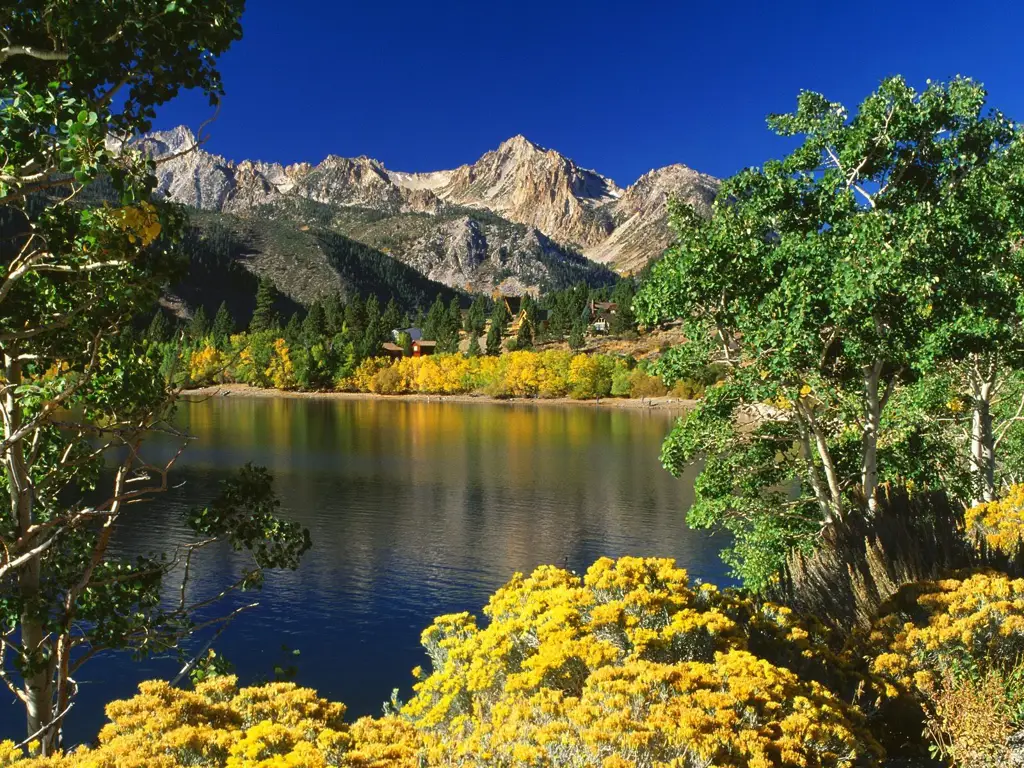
(242, 390)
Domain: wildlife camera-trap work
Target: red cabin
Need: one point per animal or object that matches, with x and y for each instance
(421, 348)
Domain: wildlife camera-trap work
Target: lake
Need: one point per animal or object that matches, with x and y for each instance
(415, 509)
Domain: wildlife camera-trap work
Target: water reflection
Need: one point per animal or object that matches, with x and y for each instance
(415, 509)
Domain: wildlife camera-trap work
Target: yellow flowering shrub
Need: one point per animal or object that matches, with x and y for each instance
(583, 671)
(278, 725)
(384, 742)
(956, 625)
(1000, 523)
(9, 753)
(950, 651)
(737, 710)
(628, 665)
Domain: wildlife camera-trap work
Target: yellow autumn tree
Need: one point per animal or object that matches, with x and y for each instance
(207, 365)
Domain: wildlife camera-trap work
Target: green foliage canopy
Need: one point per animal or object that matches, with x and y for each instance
(78, 389)
(882, 249)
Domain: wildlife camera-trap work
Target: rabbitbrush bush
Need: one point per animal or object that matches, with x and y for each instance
(1001, 522)
(955, 647)
(630, 665)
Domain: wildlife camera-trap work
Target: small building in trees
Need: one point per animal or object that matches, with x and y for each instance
(513, 304)
(601, 314)
(414, 333)
(421, 348)
(391, 350)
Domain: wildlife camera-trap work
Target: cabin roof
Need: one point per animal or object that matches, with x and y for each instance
(414, 332)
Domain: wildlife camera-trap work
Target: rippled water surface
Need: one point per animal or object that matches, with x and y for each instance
(415, 509)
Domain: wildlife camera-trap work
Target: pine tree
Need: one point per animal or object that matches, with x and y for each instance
(293, 330)
(528, 327)
(265, 317)
(198, 325)
(393, 316)
(223, 326)
(314, 327)
(451, 322)
(474, 346)
(577, 337)
(334, 314)
(159, 329)
(494, 339)
(437, 320)
(499, 317)
(524, 336)
(455, 316)
(375, 335)
(355, 318)
(476, 318)
(405, 342)
(372, 309)
(623, 321)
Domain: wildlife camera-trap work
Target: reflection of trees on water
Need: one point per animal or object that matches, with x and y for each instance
(430, 487)
(417, 509)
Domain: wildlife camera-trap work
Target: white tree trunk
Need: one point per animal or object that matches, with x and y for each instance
(983, 455)
(835, 493)
(38, 683)
(872, 422)
(812, 471)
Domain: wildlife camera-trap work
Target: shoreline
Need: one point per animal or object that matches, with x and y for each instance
(665, 403)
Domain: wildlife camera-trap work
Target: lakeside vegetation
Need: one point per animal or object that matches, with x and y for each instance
(340, 347)
(853, 316)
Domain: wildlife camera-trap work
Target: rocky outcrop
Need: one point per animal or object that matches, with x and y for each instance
(475, 256)
(569, 208)
(188, 174)
(640, 229)
(530, 185)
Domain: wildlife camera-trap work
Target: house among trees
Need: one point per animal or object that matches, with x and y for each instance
(392, 350)
(601, 314)
(421, 348)
(413, 348)
(514, 304)
(414, 333)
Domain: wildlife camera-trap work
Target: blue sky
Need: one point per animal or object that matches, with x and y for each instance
(621, 87)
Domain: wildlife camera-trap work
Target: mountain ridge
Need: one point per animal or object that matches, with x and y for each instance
(570, 212)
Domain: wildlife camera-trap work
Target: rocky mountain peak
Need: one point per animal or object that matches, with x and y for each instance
(640, 216)
(520, 143)
(519, 180)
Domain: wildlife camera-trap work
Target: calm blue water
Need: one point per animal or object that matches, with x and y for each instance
(415, 509)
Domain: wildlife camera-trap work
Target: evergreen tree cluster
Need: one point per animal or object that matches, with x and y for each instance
(443, 323)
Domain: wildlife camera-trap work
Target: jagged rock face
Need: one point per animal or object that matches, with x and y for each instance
(342, 181)
(529, 185)
(469, 255)
(569, 208)
(640, 216)
(187, 174)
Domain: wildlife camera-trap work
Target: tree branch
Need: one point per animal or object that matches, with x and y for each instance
(28, 50)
